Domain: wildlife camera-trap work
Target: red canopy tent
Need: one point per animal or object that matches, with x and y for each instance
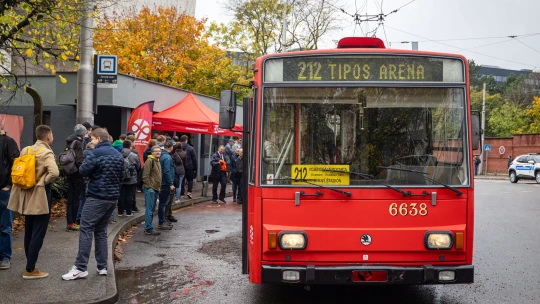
(190, 115)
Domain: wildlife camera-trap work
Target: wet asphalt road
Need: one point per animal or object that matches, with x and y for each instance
(199, 261)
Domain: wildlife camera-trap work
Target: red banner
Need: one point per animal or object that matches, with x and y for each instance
(140, 123)
(13, 125)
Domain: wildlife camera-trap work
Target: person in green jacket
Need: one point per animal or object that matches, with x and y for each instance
(117, 144)
(151, 186)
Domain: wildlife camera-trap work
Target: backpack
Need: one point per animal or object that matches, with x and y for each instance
(23, 172)
(129, 170)
(67, 160)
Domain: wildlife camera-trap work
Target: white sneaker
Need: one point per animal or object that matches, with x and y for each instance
(102, 272)
(74, 274)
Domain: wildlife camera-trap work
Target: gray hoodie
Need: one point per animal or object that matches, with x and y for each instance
(135, 161)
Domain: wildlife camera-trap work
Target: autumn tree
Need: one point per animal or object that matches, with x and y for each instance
(257, 27)
(40, 36)
(532, 118)
(505, 120)
(167, 47)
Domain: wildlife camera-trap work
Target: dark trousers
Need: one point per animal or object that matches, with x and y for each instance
(81, 201)
(35, 228)
(190, 175)
(237, 190)
(94, 223)
(74, 197)
(125, 202)
(168, 209)
(221, 179)
(164, 195)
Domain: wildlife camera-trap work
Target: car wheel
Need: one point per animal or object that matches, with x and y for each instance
(513, 177)
(537, 177)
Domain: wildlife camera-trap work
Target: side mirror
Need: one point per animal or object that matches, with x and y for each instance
(476, 130)
(227, 109)
(531, 162)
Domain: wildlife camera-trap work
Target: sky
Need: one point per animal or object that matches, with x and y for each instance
(482, 26)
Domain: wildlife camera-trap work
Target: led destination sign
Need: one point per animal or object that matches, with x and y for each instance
(364, 68)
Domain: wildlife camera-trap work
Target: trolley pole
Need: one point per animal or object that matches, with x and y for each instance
(483, 128)
(85, 79)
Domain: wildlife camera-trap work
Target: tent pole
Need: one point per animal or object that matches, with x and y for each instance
(210, 157)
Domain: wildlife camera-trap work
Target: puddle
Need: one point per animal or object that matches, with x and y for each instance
(211, 231)
(158, 283)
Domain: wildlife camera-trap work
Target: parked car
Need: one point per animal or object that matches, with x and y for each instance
(525, 166)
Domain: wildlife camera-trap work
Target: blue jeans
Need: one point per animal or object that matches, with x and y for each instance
(94, 222)
(150, 198)
(179, 187)
(6, 221)
(164, 195)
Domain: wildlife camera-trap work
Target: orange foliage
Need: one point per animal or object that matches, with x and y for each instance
(166, 47)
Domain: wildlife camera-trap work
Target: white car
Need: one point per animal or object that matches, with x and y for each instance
(525, 166)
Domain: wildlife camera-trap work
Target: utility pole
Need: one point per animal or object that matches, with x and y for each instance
(284, 33)
(414, 45)
(483, 127)
(85, 79)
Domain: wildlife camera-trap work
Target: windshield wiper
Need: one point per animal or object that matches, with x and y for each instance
(425, 177)
(372, 178)
(303, 180)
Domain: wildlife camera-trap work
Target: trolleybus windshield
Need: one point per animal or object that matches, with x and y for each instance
(309, 129)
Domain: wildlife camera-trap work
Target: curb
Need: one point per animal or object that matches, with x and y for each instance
(111, 295)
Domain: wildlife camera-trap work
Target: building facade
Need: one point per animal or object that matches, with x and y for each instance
(113, 111)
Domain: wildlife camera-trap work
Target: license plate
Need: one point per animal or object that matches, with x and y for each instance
(369, 276)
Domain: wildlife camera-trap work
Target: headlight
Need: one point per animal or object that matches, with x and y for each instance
(292, 240)
(438, 240)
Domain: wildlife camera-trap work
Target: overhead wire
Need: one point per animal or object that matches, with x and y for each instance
(465, 50)
(527, 45)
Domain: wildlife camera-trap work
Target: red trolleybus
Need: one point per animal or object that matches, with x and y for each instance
(358, 167)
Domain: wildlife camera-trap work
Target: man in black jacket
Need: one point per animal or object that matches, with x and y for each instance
(191, 164)
(105, 167)
(219, 163)
(75, 181)
(8, 152)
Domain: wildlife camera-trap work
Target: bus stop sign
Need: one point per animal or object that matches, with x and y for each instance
(487, 147)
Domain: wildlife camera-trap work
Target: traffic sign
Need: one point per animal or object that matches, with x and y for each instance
(487, 147)
(107, 64)
(107, 71)
(501, 150)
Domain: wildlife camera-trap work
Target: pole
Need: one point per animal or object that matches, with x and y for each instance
(284, 34)
(84, 74)
(483, 127)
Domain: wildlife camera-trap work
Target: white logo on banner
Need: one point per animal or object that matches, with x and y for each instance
(141, 128)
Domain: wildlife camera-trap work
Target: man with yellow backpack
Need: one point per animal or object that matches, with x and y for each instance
(32, 174)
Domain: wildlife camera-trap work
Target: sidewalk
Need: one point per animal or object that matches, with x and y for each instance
(498, 176)
(58, 255)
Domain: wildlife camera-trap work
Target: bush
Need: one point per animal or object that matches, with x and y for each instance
(59, 188)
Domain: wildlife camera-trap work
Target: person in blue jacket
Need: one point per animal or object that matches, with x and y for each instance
(167, 184)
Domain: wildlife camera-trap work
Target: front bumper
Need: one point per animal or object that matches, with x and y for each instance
(342, 275)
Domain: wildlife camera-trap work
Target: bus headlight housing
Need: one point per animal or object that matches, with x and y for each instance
(438, 240)
(292, 240)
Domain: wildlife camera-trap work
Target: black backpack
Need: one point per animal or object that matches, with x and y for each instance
(67, 160)
(129, 169)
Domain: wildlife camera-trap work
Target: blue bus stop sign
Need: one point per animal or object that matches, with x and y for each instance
(487, 147)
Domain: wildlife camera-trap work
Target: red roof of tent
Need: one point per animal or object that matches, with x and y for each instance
(191, 116)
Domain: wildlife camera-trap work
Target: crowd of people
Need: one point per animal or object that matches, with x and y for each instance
(101, 174)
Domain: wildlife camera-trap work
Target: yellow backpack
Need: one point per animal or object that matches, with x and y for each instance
(23, 172)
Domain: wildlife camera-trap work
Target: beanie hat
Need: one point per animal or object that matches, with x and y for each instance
(80, 130)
